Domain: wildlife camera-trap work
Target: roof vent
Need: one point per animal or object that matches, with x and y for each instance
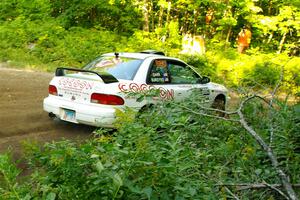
(153, 52)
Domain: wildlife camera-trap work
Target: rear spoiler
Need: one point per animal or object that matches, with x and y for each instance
(153, 52)
(106, 77)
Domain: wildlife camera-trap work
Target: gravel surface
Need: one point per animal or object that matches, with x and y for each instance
(21, 112)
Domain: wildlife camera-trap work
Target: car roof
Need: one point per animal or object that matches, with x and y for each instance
(141, 56)
(134, 55)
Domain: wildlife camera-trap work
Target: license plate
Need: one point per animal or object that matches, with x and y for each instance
(68, 115)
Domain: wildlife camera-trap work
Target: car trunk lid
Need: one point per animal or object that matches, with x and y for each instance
(79, 86)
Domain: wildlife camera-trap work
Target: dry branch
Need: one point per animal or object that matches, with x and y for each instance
(208, 115)
(231, 193)
(246, 186)
(272, 99)
(283, 177)
(277, 190)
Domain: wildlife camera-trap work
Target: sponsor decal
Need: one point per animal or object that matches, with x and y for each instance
(167, 94)
(75, 88)
(75, 84)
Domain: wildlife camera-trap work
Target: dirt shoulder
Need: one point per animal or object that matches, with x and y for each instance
(21, 111)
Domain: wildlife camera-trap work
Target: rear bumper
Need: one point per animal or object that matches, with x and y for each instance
(84, 113)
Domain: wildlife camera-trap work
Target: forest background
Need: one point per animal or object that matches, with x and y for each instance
(44, 34)
(163, 158)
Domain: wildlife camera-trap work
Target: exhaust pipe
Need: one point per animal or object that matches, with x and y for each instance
(51, 115)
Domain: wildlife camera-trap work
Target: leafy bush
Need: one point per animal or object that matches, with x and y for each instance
(8, 177)
(202, 65)
(169, 152)
(260, 71)
(33, 43)
(45, 43)
(265, 73)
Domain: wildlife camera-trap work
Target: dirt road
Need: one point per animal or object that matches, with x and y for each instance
(21, 111)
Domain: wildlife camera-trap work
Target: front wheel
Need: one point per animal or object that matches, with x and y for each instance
(219, 104)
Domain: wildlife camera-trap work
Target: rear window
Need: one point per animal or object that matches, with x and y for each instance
(119, 67)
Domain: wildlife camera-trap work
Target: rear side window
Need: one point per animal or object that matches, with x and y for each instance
(159, 72)
(119, 67)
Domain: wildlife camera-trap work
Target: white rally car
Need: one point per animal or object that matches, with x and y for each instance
(92, 94)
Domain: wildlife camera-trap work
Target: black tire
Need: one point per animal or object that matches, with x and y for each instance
(146, 108)
(220, 105)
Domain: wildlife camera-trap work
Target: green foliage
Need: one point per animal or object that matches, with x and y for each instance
(254, 70)
(38, 43)
(168, 152)
(279, 126)
(46, 34)
(273, 23)
(265, 73)
(8, 177)
(116, 15)
(202, 65)
(286, 21)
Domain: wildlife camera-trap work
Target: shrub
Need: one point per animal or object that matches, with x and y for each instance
(202, 65)
(266, 73)
(44, 43)
(168, 152)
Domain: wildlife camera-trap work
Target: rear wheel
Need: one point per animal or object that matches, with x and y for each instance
(146, 108)
(219, 104)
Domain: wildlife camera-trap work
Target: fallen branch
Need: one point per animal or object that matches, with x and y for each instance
(246, 186)
(283, 177)
(208, 115)
(231, 193)
(277, 190)
(272, 99)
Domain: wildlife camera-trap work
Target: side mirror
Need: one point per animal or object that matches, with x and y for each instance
(204, 80)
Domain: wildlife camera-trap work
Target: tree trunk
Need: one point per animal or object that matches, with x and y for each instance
(168, 15)
(186, 22)
(282, 42)
(160, 16)
(146, 16)
(93, 14)
(152, 16)
(196, 14)
(270, 37)
(228, 36)
(270, 8)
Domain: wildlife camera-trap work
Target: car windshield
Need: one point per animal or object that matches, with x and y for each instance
(119, 67)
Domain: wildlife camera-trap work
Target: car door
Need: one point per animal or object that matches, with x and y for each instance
(174, 78)
(183, 79)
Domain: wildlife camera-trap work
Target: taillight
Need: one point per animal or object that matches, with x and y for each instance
(106, 99)
(52, 90)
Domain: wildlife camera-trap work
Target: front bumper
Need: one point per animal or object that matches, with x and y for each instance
(94, 115)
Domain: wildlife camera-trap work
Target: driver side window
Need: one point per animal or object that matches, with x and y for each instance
(172, 72)
(181, 73)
